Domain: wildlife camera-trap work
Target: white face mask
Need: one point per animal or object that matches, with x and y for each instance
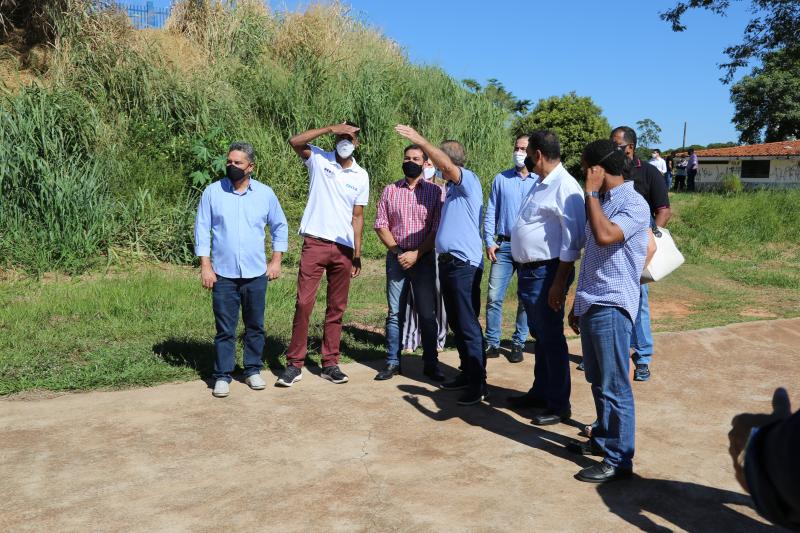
(345, 148)
(519, 159)
(428, 172)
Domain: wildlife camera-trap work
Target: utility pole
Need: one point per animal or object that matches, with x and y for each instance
(684, 135)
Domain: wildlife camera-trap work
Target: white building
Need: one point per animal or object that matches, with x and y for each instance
(757, 165)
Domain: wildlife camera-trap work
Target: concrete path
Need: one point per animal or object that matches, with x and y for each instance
(391, 456)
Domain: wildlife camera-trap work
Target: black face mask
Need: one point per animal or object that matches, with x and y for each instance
(627, 169)
(529, 163)
(411, 169)
(234, 173)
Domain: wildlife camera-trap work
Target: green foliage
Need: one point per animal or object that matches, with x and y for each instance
(731, 183)
(648, 133)
(767, 101)
(495, 91)
(577, 121)
(143, 120)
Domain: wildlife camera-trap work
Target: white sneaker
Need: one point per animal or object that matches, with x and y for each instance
(256, 382)
(221, 388)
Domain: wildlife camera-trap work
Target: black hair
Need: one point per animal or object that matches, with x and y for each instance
(416, 147)
(245, 147)
(691, 151)
(628, 135)
(605, 153)
(455, 151)
(657, 151)
(522, 136)
(545, 141)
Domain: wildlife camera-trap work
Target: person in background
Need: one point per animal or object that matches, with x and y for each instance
(229, 240)
(508, 190)
(691, 170)
(406, 223)
(680, 174)
(411, 336)
(650, 184)
(670, 160)
(546, 240)
(332, 227)
(657, 161)
(766, 462)
(458, 243)
(606, 304)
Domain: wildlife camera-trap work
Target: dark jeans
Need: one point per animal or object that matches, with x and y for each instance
(228, 296)
(461, 289)
(421, 280)
(551, 381)
(690, 184)
(680, 182)
(605, 339)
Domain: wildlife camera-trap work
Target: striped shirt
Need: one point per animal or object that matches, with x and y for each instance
(610, 274)
(409, 214)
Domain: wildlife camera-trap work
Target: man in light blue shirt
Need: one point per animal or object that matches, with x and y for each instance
(229, 240)
(458, 243)
(508, 189)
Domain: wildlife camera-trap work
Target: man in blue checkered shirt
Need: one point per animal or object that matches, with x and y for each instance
(606, 304)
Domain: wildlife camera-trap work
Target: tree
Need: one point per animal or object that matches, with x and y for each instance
(577, 121)
(499, 95)
(768, 100)
(775, 26)
(649, 133)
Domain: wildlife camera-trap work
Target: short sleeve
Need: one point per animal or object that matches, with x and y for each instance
(363, 194)
(316, 153)
(633, 218)
(658, 191)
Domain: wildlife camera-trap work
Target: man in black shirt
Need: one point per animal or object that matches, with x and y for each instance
(670, 159)
(648, 181)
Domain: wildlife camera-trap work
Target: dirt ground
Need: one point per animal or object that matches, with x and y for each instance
(391, 456)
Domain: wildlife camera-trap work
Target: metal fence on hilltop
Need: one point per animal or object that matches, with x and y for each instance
(146, 15)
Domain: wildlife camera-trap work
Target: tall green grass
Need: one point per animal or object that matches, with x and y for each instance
(137, 118)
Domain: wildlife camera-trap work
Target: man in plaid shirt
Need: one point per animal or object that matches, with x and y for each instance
(406, 223)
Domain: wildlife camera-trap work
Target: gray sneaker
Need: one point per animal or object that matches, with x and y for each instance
(291, 375)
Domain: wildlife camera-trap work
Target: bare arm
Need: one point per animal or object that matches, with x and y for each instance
(662, 216)
(440, 159)
(558, 289)
(605, 232)
(358, 232)
(207, 275)
(301, 141)
(387, 239)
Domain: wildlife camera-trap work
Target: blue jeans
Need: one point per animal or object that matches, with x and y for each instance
(461, 289)
(422, 280)
(499, 277)
(228, 296)
(642, 337)
(668, 179)
(605, 335)
(551, 380)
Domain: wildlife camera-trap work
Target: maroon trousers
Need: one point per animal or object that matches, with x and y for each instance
(336, 260)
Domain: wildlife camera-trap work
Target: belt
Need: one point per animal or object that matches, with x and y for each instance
(445, 258)
(537, 264)
(319, 238)
(502, 238)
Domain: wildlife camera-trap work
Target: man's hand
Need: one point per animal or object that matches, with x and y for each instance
(490, 253)
(556, 296)
(207, 277)
(273, 270)
(410, 133)
(408, 259)
(594, 178)
(344, 129)
(573, 321)
(356, 267)
(742, 424)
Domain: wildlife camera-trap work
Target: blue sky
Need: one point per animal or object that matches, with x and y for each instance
(621, 54)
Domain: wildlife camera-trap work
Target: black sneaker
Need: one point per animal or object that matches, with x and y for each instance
(642, 373)
(457, 383)
(472, 398)
(290, 375)
(333, 374)
(492, 352)
(516, 354)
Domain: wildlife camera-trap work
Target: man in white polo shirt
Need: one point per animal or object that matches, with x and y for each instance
(332, 226)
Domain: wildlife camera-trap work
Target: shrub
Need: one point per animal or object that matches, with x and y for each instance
(731, 183)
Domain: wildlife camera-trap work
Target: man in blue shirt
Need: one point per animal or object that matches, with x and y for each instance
(458, 243)
(606, 305)
(229, 240)
(508, 189)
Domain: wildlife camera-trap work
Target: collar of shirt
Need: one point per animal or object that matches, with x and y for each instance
(518, 174)
(355, 167)
(227, 186)
(555, 173)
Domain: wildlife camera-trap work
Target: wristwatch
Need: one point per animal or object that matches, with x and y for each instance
(591, 194)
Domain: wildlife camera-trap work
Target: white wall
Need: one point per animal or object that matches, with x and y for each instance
(782, 173)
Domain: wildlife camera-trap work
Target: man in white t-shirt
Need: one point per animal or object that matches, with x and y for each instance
(332, 226)
(657, 161)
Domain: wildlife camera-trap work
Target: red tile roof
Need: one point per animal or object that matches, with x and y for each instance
(783, 148)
